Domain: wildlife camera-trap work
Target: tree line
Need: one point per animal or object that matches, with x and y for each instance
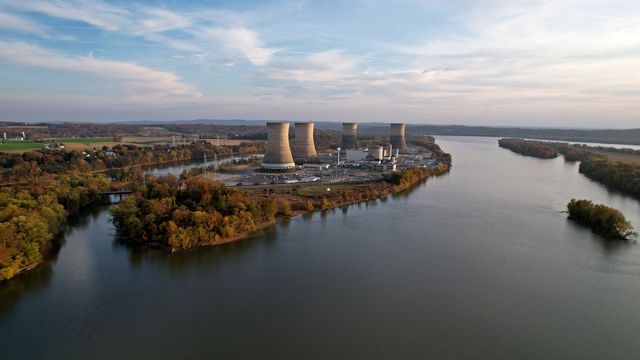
(179, 214)
(530, 148)
(31, 216)
(29, 165)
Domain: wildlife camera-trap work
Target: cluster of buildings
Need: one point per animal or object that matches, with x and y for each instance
(280, 156)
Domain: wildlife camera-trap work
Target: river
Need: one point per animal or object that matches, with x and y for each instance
(479, 263)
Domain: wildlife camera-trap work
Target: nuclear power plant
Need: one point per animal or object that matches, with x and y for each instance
(302, 163)
(304, 150)
(349, 136)
(278, 155)
(397, 138)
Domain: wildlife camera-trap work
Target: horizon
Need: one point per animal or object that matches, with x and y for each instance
(535, 64)
(381, 123)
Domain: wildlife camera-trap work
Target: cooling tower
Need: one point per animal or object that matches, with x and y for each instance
(397, 138)
(304, 150)
(349, 136)
(278, 155)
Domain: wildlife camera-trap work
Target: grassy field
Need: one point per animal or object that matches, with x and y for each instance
(71, 143)
(20, 146)
(81, 140)
(627, 158)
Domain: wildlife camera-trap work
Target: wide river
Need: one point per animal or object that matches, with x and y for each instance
(480, 263)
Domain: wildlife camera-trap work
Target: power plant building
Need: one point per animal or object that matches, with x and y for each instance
(376, 153)
(304, 149)
(278, 155)
(349, 136)
(397, 139)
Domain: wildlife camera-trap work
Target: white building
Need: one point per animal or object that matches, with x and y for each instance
(356, 154)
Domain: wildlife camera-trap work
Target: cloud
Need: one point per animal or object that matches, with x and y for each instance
(15, 22)
(482, 58)
(198, 33)
(141, 79)
(317, 67)
(93, 12)
(159, 20)
(242, 40)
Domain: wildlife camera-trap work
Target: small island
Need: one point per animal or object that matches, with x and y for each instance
(537, 149)
(603, 220)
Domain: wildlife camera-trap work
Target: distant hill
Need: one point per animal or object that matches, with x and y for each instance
(609, 136)
(246, 128)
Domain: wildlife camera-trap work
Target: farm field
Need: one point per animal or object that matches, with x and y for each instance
(19, 146)
(627, 158)
(89, 145)
(81, 140)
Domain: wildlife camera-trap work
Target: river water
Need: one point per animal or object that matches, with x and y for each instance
(479, 263)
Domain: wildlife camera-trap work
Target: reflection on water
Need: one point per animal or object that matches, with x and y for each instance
(480, 261)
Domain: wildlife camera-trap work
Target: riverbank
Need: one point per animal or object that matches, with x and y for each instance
(600, 164)
(33, 212)
(180, 214)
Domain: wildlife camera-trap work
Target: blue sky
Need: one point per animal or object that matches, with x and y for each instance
(539, 63)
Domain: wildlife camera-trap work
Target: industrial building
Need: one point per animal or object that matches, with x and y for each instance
(304, 149)
(278, 155)
(349, 136)
(397, 139)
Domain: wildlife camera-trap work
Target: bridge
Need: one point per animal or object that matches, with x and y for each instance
(105, 196)
(115, 192)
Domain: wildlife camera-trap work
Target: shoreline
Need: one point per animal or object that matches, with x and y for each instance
(385, 190)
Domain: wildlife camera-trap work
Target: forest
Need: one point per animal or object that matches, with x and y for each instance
(31, 216)
(603, 220)
(177, 215)
(44, 187)
(16, 167)
(537, 149)
(615, 175)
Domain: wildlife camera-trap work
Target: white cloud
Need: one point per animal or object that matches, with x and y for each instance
(159, 20)
(328, 65)
(94, 12)
(493, 57)
(242, 40)
(140, 79)
(15, 22)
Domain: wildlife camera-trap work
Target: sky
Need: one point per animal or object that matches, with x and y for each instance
(563, 63)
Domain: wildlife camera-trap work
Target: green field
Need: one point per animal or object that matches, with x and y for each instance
(81, 140)
(20, 146)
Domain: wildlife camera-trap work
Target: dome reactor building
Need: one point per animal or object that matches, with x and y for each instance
(349, 136)
(278, 155)
(304, 149)
(397, 138)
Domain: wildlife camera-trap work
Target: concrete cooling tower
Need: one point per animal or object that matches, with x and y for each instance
(349, 136)
(397, 138)
(278, 155)
(304, 150)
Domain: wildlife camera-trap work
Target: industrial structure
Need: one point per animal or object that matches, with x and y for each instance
(278, 155)
(304, 149)
(397, 138)
(349, 136)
